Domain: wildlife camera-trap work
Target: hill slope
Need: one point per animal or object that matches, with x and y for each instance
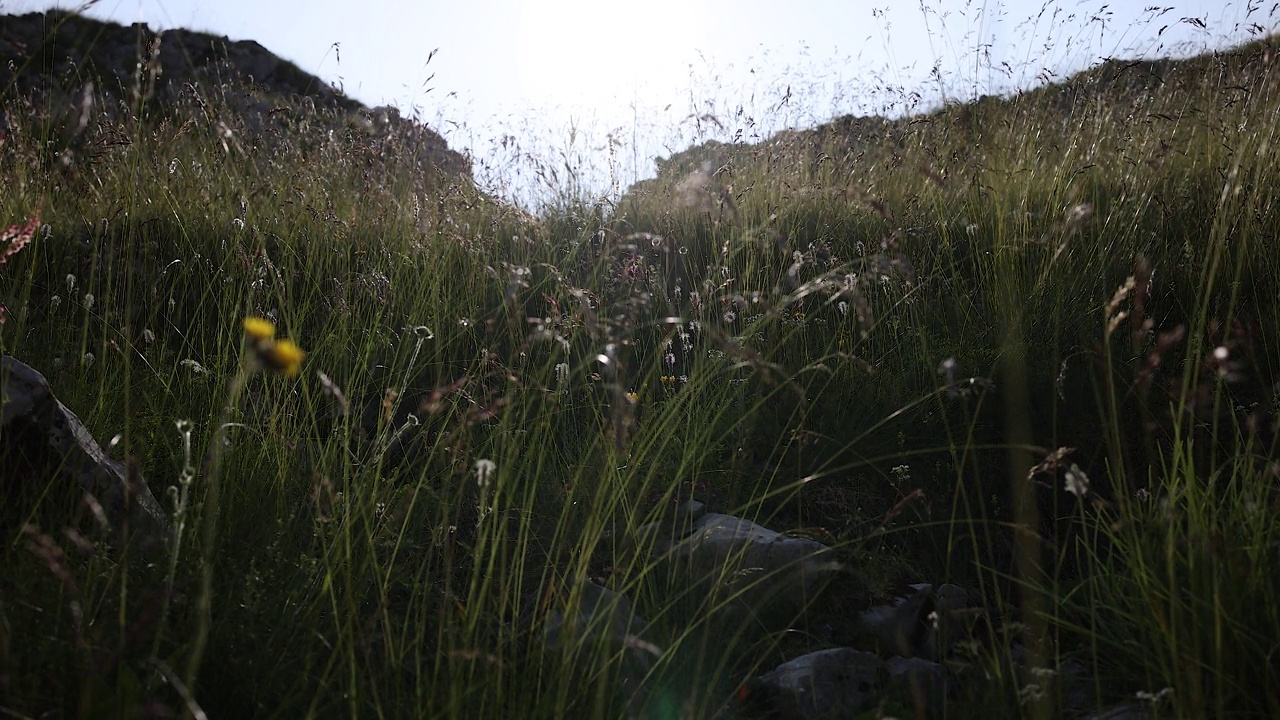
(848, 142)
(65, 59)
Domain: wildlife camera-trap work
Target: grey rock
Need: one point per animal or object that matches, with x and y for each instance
(923, 681)
(735, 561)
(950, 598)
(46, 436)
(922, 623)
(828, 685)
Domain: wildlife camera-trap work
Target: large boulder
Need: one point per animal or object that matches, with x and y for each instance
(42, 441)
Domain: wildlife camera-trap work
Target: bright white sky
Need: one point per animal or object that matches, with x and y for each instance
(565, 77)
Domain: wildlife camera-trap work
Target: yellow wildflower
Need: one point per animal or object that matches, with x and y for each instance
(285, 356)
(281, 355)
(259, 328)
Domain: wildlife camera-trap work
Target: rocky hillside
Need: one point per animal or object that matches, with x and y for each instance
(62, 61)
(1113, 86)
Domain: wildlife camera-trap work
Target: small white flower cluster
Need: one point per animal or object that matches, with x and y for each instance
(1077, 483)
(562, 378)
(1154, 698)
(901, 475)
(484, 469)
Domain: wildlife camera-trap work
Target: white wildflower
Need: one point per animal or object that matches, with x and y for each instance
(1155, 697)
(1077, 483)
(562, 378)
(484, 469)
(901, 474)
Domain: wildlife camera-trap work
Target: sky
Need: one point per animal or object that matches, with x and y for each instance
(537, 91)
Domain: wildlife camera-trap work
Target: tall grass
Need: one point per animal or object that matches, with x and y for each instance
(912, 335)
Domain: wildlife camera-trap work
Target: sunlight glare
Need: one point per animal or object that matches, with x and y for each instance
(584, 51)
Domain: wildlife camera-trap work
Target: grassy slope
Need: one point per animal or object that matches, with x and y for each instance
(358, 567)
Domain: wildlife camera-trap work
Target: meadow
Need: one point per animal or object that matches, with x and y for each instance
(1026, 345)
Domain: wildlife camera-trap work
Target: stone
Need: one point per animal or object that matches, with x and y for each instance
(735, 562)
(924, 682)
(922, 623)
(827, 685)
(41, 440)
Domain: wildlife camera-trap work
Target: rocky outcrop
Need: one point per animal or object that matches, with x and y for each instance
(866, 140)
(64, 62)
(71, 49)
(41, 441)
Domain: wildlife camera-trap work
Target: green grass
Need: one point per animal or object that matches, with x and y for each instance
(836, 320)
